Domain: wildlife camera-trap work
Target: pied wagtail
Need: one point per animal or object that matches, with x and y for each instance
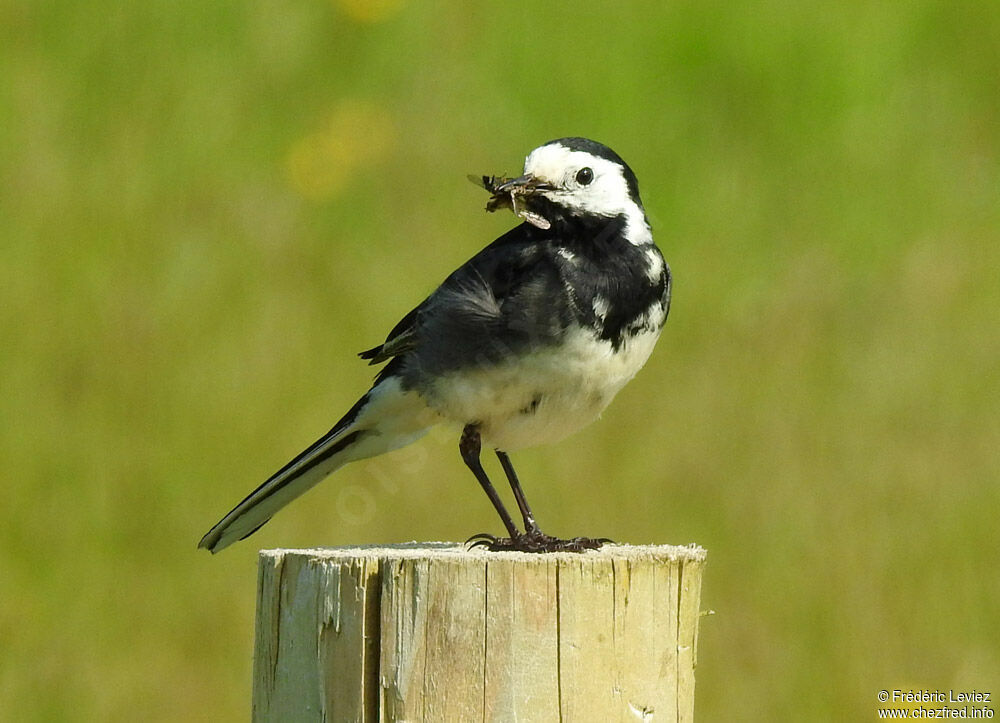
(525, 343)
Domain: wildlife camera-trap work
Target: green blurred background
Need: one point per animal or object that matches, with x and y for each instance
(208, 208)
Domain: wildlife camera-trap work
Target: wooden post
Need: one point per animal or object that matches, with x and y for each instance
(436, 632)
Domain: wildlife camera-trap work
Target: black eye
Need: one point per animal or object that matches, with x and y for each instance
(584, 176)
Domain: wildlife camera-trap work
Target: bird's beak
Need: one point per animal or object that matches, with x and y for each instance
(511, 193)
(522, 184)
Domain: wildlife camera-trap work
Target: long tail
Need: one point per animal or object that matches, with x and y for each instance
(384, 419)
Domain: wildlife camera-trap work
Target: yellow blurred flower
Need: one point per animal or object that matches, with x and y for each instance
(358, 133)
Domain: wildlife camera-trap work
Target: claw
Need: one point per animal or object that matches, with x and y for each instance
(481, 539)
(534, 542)
(482, 536)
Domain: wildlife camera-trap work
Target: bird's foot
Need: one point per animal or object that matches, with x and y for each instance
(534, 541)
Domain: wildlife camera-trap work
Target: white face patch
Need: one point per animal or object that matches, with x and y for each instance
(606, 195)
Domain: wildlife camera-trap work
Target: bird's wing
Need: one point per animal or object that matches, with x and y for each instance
(503, 297)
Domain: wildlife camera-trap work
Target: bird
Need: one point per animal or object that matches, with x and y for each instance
(524, 344)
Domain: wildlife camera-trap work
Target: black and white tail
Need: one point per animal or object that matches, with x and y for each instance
(384, 419)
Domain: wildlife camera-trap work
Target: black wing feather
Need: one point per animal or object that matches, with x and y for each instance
(503, 298)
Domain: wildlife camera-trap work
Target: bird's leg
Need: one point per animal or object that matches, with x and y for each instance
(470, 445)
(530, 526)
(533, 539)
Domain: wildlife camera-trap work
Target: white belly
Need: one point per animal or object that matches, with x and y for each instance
(542, 397)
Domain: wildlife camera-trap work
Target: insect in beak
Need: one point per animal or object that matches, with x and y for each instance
(521, 184)
(511, 192)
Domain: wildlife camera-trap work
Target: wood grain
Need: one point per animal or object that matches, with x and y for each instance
(437, 632)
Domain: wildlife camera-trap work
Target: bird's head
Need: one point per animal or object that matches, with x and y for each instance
(574, 180)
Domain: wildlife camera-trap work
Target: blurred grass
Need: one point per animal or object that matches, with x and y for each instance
(200, 228)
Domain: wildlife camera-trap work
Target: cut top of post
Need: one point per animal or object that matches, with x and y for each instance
(453, 551)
